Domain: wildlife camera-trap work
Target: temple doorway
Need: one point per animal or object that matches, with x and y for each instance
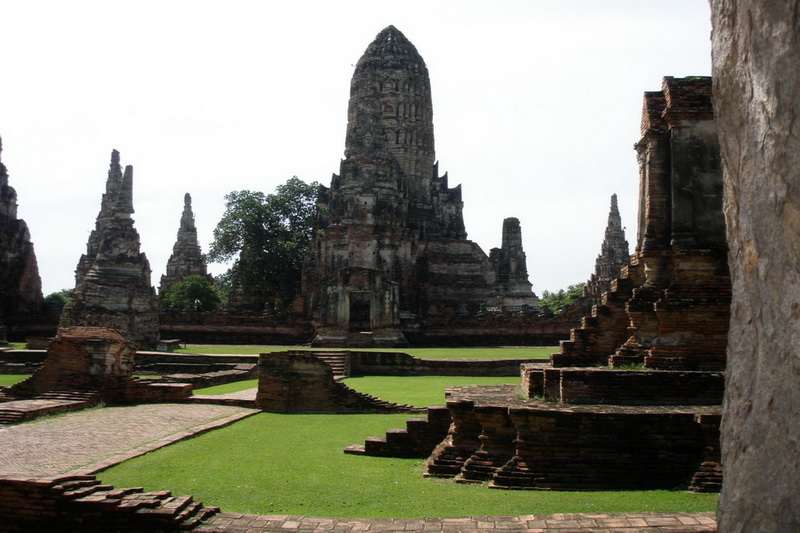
(360, 311)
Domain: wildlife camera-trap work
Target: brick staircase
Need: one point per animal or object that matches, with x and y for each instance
(417, 439)
(13, 410)
(98, 507)
(338, 361)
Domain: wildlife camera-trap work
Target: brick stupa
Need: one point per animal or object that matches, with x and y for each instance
(113, 278)
(187, 257)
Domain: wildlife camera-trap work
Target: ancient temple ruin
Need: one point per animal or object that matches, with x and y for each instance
(614, 255)
(113, 278)
(669, 308)
(187, 257)
(392, 250)
(20, 284)
(513, 292)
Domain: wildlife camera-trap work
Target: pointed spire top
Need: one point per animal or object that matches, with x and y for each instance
(187, 217)
(124, 200)
(390, 43)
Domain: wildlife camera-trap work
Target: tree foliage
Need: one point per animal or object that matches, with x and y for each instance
(184, 295)
(266, 237)
(555, 302)
(55, 301)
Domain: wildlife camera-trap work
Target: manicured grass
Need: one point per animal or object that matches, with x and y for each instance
(227, 388)
(504, 352)
(6, 380)
(293, 464)
(419, 391)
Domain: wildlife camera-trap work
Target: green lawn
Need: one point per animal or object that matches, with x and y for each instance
(419, 391)
(293, 464)
(6, 380)
(227, 388)
(529, 352)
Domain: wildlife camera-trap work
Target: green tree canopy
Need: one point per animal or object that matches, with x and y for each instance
(185, 294)
(555, 302)
(266, 237)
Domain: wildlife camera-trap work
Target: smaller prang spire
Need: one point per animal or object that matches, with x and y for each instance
(614, 253)
(187, 257)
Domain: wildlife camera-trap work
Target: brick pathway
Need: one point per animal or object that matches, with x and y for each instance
(88, 441)
(595, 523)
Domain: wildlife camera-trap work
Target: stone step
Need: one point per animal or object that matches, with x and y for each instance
(355, 449)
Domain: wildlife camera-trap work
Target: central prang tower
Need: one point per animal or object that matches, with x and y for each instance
(391, 252)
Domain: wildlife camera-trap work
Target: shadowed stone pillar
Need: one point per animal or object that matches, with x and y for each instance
(20, 284)
(756, 53)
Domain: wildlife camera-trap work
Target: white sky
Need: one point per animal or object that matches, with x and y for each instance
(537, 105)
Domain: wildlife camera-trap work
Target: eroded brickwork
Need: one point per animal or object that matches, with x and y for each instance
(20, 284)
(97, 360)
(669, 308)
(113, 277)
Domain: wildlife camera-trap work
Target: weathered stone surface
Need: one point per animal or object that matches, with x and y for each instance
(187, 257)
(113, 277)
(756, 50)
(20, 284)
(97, 360)
(392, 251)
(669, 308)
(292, 382)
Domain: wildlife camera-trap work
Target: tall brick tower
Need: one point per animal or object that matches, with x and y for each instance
(392, 249)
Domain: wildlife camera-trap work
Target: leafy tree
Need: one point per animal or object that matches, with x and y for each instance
(555, 302)
(184, 295)
(56, 301)
(266, 236)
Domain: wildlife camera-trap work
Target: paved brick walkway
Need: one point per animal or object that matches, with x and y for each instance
(88, 441)
(594, 523)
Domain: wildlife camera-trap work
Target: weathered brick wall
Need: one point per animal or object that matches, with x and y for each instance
(623, 387)
(233, 328)
(539, 445)
(597, 450)
(298, 383)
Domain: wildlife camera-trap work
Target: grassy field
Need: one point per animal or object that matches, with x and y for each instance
(6, 380)
(293, 464)
(419, 391)
(504, 352)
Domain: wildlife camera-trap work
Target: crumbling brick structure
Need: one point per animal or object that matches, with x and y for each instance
(113, 277)
(98, 361)
(392, 249)
(20, 284)
(669, 308)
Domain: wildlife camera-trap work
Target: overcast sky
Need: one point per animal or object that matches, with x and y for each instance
(536, 104)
